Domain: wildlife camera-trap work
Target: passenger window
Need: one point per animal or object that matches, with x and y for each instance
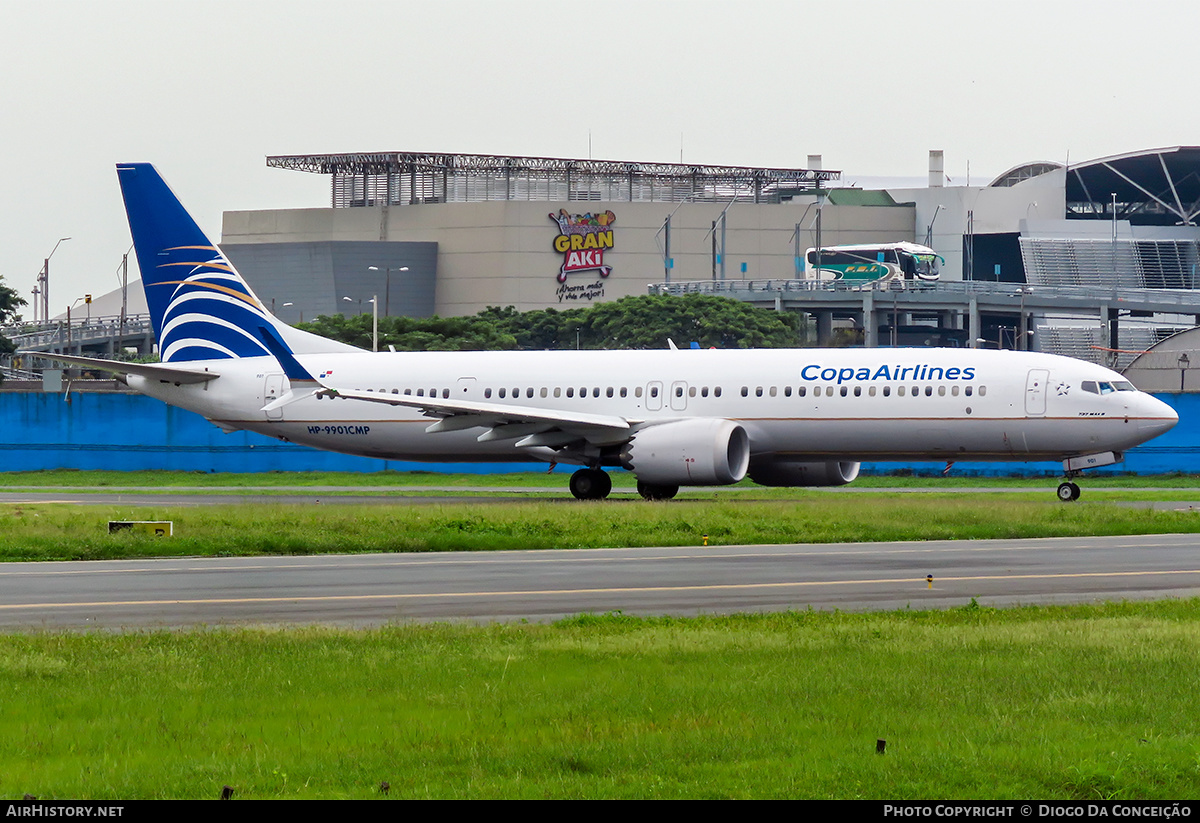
(967, 391)
(570, 391)
(745, 391)
(787, 391)
(623, 391)
(637, 391)
(844, 390)
(420, 392)
(691, 391)
(887, 391)
(654, 391)
(558, 391)
(529, 392)
(929, 391)
(871, 391)
(544, 391)
(801, 391)
(941, 391)
(596, 391)
(609, 391)
(899, 391)
(858, 391)
(758, 392)
(679, 391)
(983, 391)
(704, 392)
(829, 391)
(717, 391)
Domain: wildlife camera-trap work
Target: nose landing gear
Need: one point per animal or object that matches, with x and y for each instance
(1068, 491)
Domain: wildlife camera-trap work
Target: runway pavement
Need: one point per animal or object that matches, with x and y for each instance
(540, 585)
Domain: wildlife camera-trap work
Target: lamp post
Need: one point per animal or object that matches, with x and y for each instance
(43, 279)
(1184, 360)
(387, 286)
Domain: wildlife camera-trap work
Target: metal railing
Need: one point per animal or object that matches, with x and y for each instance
(57, 335)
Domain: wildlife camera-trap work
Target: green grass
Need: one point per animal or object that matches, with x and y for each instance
(1082, 703)
(62, 532)
(557, 481)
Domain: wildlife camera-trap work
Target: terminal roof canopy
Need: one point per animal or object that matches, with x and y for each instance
(366, 179)
(1155, 187)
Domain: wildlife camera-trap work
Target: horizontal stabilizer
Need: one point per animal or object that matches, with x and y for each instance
(151, 371)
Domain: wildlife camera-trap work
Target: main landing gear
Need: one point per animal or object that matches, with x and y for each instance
(1068, 491)
(591, 484)
(595, 484)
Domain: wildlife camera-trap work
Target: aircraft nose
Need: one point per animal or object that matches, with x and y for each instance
(1155, 416)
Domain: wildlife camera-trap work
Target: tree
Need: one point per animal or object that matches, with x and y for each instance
(10, 302)
(644, 322)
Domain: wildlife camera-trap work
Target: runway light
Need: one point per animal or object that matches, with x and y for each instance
(706, 539)
(880, 745)
(929, 580)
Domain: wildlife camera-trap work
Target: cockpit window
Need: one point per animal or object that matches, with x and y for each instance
(1123, 385)
(1106, 388)
(1089, 386)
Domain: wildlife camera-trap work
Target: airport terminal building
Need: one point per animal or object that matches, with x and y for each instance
(1093, 260)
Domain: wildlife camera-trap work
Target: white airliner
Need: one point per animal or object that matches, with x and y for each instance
(690, 417)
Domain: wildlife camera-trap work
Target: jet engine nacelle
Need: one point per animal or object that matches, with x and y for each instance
(791, 473)
(696, 452)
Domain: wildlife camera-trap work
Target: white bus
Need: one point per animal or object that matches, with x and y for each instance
(863, 263)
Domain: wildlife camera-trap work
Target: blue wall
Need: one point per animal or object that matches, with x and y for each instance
(128, 431)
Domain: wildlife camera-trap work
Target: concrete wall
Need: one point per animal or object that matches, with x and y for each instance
(127, 432)
(501, 253)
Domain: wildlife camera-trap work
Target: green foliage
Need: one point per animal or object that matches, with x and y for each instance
(10, 302)
(629, 323)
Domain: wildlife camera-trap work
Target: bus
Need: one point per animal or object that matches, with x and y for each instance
(865, 263)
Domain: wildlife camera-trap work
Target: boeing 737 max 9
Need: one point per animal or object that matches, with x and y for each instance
(794, 417)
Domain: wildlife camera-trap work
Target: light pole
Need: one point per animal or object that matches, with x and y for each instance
(43, 279)
(387, 287)
(1184, 360)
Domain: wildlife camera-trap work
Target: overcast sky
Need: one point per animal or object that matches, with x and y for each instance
(207, 89)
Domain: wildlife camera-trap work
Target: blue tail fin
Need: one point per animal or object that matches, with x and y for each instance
(200, 306)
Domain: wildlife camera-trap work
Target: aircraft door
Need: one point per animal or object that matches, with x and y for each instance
(679, 395)
(1035, 392)
(654, 391)
(273, 390)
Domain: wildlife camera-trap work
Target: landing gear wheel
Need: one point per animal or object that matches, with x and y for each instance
(1068, 491)
(650, 491)
(591, 484)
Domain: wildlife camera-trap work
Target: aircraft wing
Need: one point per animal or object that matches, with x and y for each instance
(503, 421)
(151, 371)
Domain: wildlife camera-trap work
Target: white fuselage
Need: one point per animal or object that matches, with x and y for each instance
(852, 404)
